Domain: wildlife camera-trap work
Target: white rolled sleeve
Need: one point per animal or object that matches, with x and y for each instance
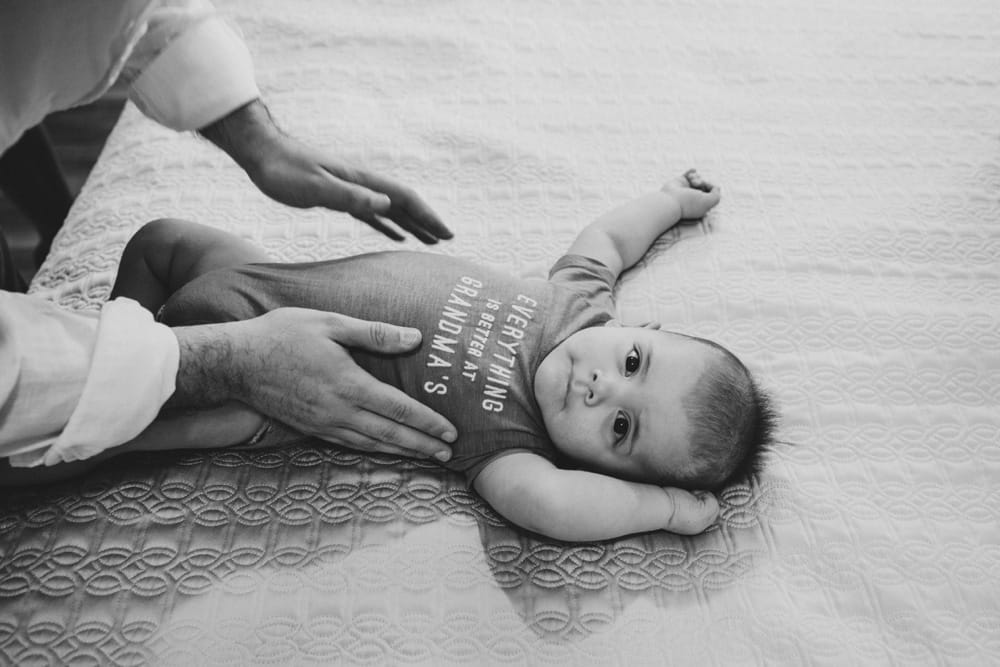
(201, 76)
(77, 384)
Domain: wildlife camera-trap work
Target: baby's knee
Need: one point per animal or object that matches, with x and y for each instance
(154, 234)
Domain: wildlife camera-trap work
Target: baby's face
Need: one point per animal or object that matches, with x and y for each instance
(611, 398)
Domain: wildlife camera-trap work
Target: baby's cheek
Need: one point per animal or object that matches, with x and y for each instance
(573, 436)
(561, 434)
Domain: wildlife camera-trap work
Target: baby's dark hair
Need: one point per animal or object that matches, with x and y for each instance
(731, 423)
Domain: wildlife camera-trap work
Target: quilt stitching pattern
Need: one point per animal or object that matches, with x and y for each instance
(853, 263)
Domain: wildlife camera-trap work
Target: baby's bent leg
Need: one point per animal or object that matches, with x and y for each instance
(166, 254)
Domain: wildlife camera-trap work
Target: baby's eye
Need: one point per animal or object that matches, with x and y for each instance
(621, 425)
(632, 361)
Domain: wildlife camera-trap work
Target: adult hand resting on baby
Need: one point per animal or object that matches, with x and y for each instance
(298, 175)
(291, 364)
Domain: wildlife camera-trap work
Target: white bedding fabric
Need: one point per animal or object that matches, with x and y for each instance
(854, 263)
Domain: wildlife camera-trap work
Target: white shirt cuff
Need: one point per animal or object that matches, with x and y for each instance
(200, 77)
(132, 374)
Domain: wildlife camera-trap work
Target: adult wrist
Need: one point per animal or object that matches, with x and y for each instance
(246, 134)
(208, 372)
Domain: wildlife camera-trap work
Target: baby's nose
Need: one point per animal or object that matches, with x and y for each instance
(599, 388)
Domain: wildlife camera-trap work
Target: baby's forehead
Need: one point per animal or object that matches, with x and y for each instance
(669, 344)
(682, 362)
(683, 344)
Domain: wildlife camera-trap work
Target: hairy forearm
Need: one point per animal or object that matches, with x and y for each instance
(209, 371)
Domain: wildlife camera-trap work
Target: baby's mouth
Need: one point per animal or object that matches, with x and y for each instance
(569, 384)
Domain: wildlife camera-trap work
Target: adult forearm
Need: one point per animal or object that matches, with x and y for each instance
(210, 369)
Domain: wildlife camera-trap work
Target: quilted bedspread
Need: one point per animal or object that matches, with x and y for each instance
(854, 263)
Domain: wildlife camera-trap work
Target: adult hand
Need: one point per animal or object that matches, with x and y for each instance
(298, 175)
(291, 364)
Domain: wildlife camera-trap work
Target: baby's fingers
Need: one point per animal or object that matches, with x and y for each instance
(692, 513)
(711, 198)
(695, 180)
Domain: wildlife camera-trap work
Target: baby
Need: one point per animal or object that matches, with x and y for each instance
(569, 423)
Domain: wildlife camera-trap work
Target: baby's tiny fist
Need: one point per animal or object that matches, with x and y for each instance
(695, 180)
(694, 512)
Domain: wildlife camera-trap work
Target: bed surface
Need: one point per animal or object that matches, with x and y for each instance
(854, 264)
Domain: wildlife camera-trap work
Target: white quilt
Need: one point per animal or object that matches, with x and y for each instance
(854, 263)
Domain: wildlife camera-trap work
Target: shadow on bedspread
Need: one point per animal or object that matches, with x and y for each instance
(319, 553)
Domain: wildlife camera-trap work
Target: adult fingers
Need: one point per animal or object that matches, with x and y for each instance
(402, 218)
(382, 399)
(374, 432)
(403, 221)
(397, 416)
(408, 208)
(341, 194)
(369, 206)
(379, 226)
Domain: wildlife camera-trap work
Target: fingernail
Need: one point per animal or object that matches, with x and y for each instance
(442, 456)
(449, 436)
(410, 336)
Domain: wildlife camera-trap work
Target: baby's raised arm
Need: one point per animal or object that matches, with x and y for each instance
(576, 505)
(620, 237)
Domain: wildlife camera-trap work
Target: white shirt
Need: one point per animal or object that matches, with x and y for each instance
(75, 384)
(185, 65)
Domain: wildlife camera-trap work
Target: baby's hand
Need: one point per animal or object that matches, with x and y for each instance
(693, 512)
(695, 195)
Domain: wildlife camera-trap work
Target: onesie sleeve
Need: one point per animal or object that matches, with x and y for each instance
(586, 276)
